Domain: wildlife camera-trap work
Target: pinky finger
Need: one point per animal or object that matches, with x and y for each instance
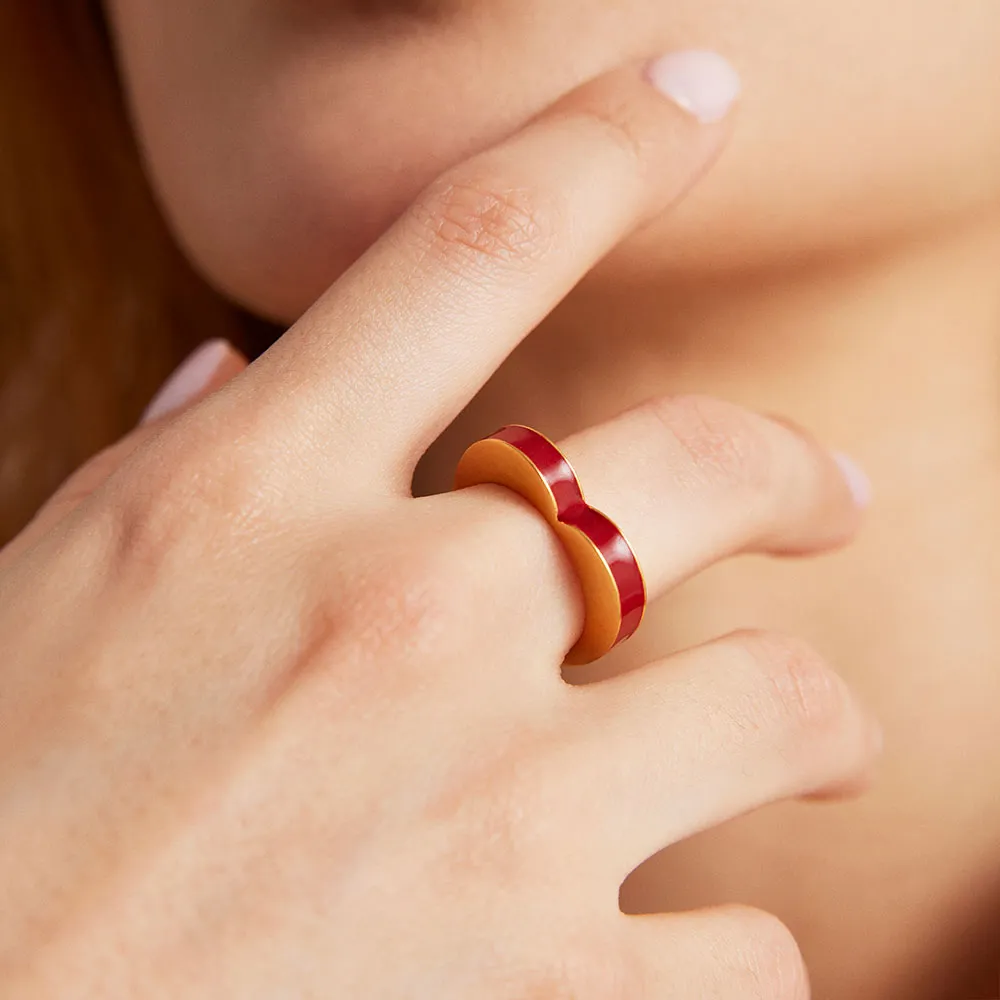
(715, 954)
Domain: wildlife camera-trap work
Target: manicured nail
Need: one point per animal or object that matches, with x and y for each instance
(857, 480)
(193, 375)
(703, 83)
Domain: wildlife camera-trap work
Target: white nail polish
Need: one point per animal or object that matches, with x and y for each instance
(703, 83)
(194, 373)
(856, 478)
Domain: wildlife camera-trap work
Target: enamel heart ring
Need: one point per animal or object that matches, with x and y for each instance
(614, 591)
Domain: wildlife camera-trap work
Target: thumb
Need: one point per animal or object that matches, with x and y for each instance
(204, 370)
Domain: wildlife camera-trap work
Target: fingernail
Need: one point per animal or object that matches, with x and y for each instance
(703, 83)
(857, 480)
(194, 373)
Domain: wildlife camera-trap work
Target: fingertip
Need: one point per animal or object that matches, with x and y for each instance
(857, 480)
(702, 83)
(840, 493)
(865, 775)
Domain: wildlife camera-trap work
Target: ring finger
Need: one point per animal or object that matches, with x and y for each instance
(688, 480)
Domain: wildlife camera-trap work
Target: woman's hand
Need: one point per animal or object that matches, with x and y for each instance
(270, 727)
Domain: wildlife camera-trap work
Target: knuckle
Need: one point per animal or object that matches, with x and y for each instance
(767, 958)
(371, 626)
(408, 601)
(416, 603)
(723, 442)
(170, 504)
(616, 119)
(152, 524)
(793, 689)
(475, 220)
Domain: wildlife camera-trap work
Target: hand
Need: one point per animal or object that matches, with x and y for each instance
(272, 727)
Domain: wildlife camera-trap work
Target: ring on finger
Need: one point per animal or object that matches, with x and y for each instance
(614, 591)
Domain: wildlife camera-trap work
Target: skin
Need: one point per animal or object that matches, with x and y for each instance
(335, 748)
(837, 264)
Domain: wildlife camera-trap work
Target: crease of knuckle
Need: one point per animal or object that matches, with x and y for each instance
(615, 120)
(766, 956)
(721, 441)
(188, 506)
(372, 635)
(795, 695)
(484, 222)
(408, 608)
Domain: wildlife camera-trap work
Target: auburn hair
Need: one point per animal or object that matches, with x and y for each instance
(97, 304)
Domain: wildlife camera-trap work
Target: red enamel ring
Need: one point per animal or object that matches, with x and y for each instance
(614, 591)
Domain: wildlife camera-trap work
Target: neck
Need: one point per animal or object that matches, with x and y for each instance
(894, 357)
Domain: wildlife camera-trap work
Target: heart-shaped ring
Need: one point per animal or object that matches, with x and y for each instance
(614, 591)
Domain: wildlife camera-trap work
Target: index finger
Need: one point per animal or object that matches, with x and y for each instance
(398, 346)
